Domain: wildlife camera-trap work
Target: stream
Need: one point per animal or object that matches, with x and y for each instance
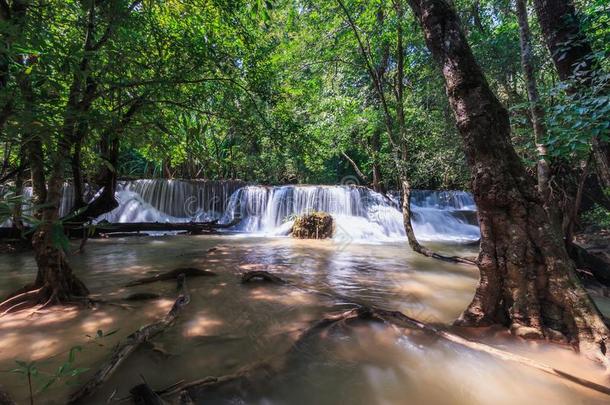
(228, 325)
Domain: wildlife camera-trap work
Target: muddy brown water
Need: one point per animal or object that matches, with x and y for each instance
(228, 326)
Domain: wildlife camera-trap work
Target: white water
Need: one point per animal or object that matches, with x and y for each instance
(360, 213)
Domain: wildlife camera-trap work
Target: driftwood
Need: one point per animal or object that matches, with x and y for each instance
(125, 348)
(250, 276)
(171, 275)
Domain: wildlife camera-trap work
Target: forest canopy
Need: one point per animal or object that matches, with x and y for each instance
(272, 91)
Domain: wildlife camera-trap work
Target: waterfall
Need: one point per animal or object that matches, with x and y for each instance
(360, 213)
(161, 200)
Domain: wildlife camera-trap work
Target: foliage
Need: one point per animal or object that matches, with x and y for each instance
(274, 91)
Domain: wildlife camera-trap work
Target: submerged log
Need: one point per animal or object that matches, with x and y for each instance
(250, 276)
(125, 348)
(315, 225)
(171, 275)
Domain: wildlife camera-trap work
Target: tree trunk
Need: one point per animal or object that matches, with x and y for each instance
(576, 64)
(77, 176)
(543, 169)
(536, 109)
(33, 144)
(527, 280)
(376, 148)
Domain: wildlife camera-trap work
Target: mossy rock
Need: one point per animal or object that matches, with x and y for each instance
(315, 225)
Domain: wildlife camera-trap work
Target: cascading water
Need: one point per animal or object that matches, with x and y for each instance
(360, 213)
(160, 200)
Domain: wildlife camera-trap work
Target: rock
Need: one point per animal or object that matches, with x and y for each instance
(315, 225)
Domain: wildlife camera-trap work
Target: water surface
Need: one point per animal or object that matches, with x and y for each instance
(228, 325)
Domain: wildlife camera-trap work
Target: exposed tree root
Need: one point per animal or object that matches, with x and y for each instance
(451, 259)
(250, 276)
(583, 259)
(172, 275)
(125, 348)
(254, 376)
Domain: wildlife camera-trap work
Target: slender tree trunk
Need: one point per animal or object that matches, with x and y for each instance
(109, 148)
(77, 177)
(376, 148)
(537, 112)
(33, 143)
(574, 60)
(527, 280)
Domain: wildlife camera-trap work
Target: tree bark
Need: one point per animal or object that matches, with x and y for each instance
(527, 280)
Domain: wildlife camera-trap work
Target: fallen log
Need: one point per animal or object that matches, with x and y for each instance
(77, 230)
(125, 348)
(171, 275)
(142, 296)
(193, 228)
(250, 276)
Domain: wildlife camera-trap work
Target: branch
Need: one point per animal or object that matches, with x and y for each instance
(125, 348)
(356, 168)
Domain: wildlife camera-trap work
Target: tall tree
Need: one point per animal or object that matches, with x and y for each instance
(527, 280)
(394, 123)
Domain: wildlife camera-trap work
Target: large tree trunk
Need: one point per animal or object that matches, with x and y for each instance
(527, 280)
(575, 62)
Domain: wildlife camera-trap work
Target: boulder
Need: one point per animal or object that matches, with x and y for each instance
(314, 225)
